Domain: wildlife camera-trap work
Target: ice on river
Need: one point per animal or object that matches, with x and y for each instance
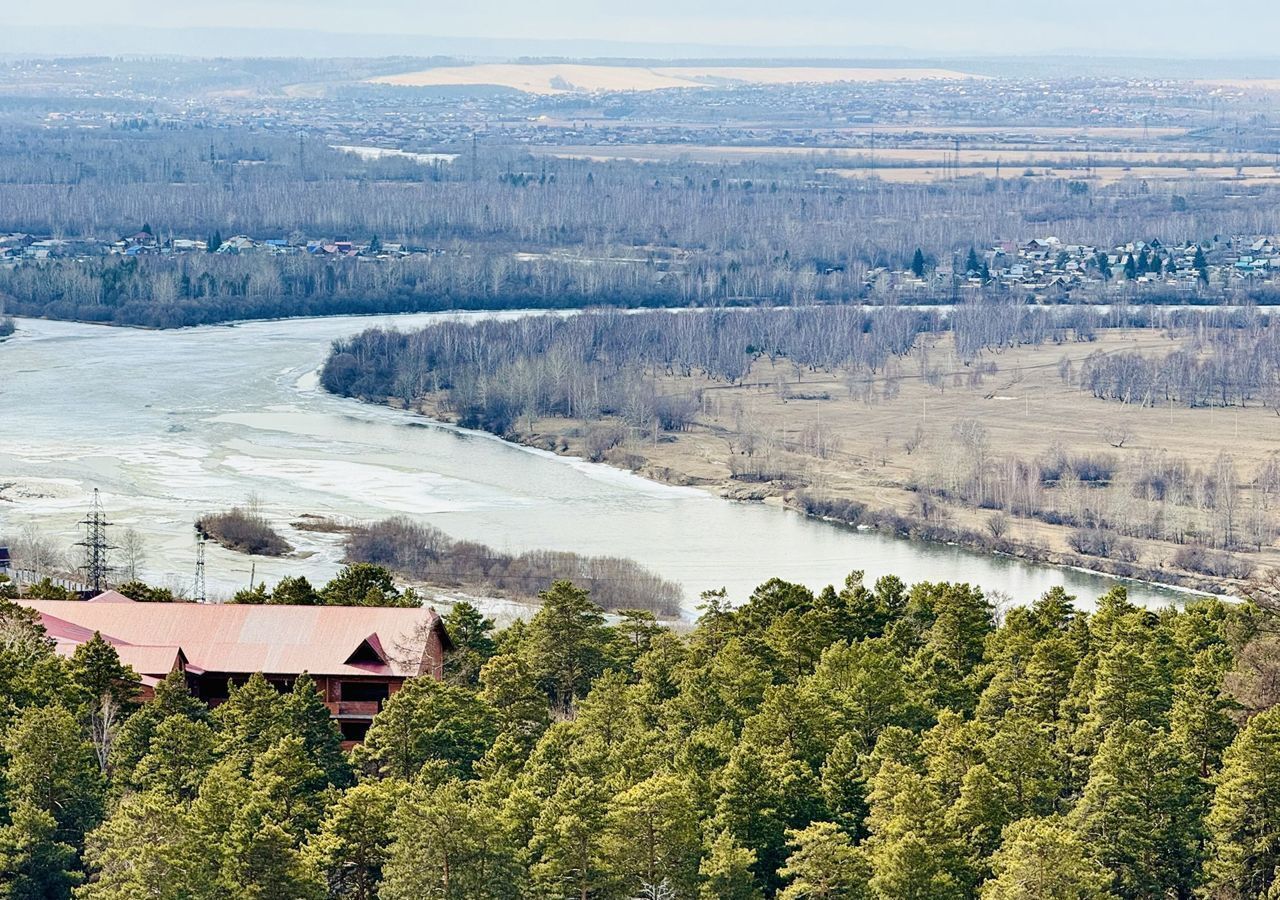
(172, 424)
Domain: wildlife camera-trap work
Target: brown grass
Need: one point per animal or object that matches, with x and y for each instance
(1025, 408)
(556, 78)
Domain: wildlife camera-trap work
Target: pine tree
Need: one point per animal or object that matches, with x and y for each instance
(727, 871)
(147, 848)
(171, 699)
(265, 865)
(521, 707)
(653, 836)
(472, 636)
(180, 755)
(1201, 265)
(917, 263)
(565, 643)
(428, 721)
(1043, 859)
(824, 865)
(105, 693)
(34, 864)
(911, 849)
(766, 790)
(1244, 819)
(448, 847)
(1201, 719)
(288, 788)
(972, 264)
(307, 717)
(1103, 263)
(567, 846)
(53, 769)
(354, 840)
(251, 720)
(1141, 811)
(361, 584)
(294, 591)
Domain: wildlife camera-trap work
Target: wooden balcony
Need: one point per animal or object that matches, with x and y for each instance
(355, 709)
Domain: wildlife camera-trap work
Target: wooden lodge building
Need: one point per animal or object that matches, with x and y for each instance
(358, 656)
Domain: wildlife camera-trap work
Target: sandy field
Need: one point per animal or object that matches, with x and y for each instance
(1245, 84)
(557, 78)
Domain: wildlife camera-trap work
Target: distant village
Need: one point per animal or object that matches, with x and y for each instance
(1048, 265)
(16, 247)
(1044, 268)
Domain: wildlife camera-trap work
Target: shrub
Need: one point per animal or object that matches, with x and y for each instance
(244, 531)
(1102, 543)
(1198, 559)
(851, 512)
(603, 438)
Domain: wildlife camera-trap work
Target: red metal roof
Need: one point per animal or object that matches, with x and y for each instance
(234, 638)
(111, 597)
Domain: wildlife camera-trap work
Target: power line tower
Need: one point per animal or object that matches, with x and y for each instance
(198, 589)
(95, 546)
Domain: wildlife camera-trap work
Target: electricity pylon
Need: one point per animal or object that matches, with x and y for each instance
(96, 547)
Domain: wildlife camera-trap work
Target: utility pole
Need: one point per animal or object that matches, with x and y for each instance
(95, 545)
(198, 589)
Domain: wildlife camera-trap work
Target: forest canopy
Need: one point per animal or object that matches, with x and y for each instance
(882, 741)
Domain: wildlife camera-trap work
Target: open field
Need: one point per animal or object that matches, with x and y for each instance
(1245, 84)
(878, 442)
(1101, 175)
(917, 165)
(1012, 155)
(557, 78)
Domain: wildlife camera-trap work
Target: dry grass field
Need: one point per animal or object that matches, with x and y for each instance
(878, 442)
(1245, 84)
(915, 165)
(1011, 156)
(556, 78)
(1101, 175)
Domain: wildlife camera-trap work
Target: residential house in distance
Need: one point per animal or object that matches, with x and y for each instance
(358, 656)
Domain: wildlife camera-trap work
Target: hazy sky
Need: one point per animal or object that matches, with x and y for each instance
(1168, 28)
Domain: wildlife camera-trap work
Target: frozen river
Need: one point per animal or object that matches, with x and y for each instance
(172, 424)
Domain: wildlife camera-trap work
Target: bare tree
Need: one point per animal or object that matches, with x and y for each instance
(997, 525)
(1118, 434)
(133, 553)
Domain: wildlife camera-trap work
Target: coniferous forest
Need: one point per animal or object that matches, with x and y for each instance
(871, 741)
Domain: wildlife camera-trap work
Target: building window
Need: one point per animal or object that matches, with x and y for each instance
(214, 688)
(353, 691)
(354, 731)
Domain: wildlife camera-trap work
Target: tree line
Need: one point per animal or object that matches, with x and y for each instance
(515, 229)
(1220, 367)
(608, 364)
(868, 741)
(426, 553)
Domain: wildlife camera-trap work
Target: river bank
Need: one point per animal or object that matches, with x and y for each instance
(202, 418)
(676, 461)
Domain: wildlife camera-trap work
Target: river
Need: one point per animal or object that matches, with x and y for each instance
(171, 424)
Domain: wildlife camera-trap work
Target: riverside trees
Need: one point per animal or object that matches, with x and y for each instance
(877, 742)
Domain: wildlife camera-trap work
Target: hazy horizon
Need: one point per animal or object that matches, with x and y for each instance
(662, 28)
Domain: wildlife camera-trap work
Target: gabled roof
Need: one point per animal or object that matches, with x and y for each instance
(233, 638)
(111, 597)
